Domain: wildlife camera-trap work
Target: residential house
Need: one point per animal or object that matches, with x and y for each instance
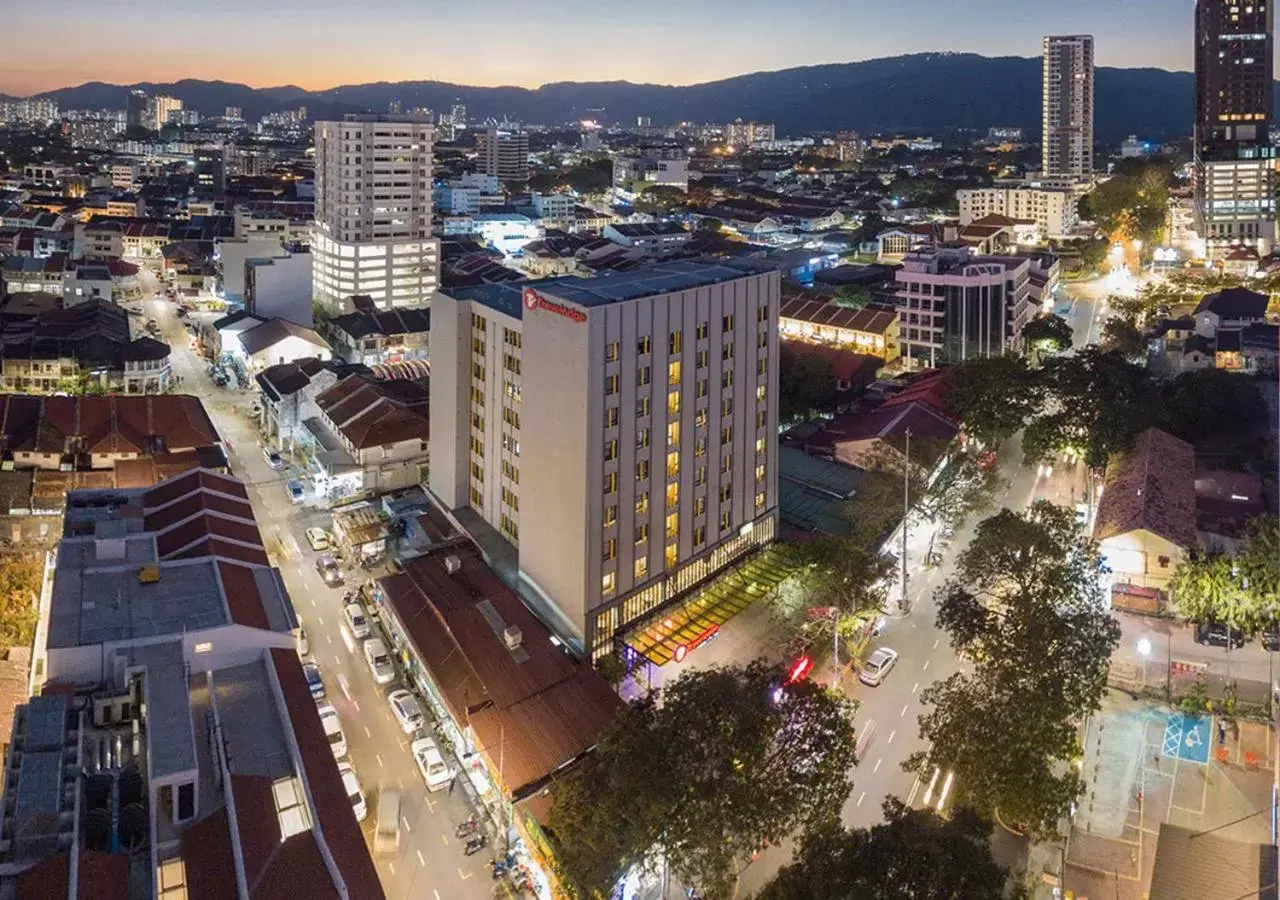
(287, 394)
(862, 437)
(372, 337)
(1235, 307)
(276, 341)
(653, 238)
(1146, 518)
(812, 492)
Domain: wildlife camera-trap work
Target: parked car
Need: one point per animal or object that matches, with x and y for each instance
(351, 784)
(405, 707)
(333, 731)
(311, 670)
(296, 494)
(274, 460)
(379, 660)
(303, 645)
(330, 571)
(318, 538)
(431, 764)
(386, 833)
(878, 666)
(1271, 637)
(1216, 634)
(356, 621)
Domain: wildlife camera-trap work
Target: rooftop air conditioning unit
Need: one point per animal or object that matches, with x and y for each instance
(452, 565)
(512, 637)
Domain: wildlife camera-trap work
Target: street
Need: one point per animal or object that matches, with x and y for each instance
(430, 861)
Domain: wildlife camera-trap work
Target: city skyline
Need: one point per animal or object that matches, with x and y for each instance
(272, 44)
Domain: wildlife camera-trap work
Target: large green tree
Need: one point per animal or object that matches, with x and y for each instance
(993, 396)
(1123, 336)
(804, 384)
(1209, 404)
(1046, 334)
(915, 854)
(20, 575)
(1239, 590)
(726, 762)
(1026, 607)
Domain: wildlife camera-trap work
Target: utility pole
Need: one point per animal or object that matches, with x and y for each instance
(906, 511)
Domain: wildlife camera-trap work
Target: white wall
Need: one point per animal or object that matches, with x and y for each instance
(282, 288)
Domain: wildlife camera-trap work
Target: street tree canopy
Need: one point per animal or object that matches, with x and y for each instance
(1238, 590)
(1027, 609)
(915, 854)
(723, 765)
(20, 575)
(1047, 334)
(1123, 336)
(994, 396)
(1206, 404)
(804, 384)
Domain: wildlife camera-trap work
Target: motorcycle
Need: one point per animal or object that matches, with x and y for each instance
(475, 845)
(468, 827)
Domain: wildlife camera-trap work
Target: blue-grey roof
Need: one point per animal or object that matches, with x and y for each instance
(617, 286)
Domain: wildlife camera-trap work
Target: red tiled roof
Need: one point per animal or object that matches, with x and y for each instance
(254, 556)
(103, 876)
(197, 478)
(373, 413)
(342, 835)
(933, 388)
(257, 824)
(869, 320)
(50, 879)
(549, 708)
(1150, 487)
(845, 364)
(243, 600)
(209, 858)
(887, 422)
(112, 424)
(297, 870)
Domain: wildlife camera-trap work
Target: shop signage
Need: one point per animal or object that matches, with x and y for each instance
(682, 650)
(533, 300)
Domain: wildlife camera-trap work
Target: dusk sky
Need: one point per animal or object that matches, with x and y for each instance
(322, 43)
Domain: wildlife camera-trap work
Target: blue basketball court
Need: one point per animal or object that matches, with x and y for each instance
(1188, 737)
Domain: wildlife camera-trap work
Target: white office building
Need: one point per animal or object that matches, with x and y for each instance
(1053, 209)
(372, 231)
(1067, 146)
(620, 432)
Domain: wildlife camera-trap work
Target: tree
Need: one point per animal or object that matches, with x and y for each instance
(726, 762)
(1122, 336)
(1096, 401)
(804, 383)
(20, 576)
(1132, 206)
(708, 223)
(1208, 588)
(1047, 334)
(994, 396)
(915, 854)
(964, 486)
(1259, 558)
(1207, 404)
(853, 296)
(1027, 608)
(842, 587)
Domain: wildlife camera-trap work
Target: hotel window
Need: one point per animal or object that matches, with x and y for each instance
(642, 375)
(703, 359)
(511, 472)
(477, 345)
(726, 406)
(702, 330)
(762, 315)
(642, 407)
(610, 385)
(759, 473)
(699, 446)
(611, 450)
(673, 343)
(477, 371)
(699, 476)
(726, 435)
(726, 491)
(673, 434)
(477, 421)
(726, 380)
(610, 482)
(724, 521)
(477, 499)
(642, 504)
(726, 464)
(760, 419)
(727, 353)
(761, 392)
(763, 340)
(610, 549)
(673, 495)
(611, 351)
(511, 337)
(608, 582)
(644, 345)
(727, 324)
(700, 419)
(699, 506)
(673, 526)
(699, 535)
(759, 445)
(642, 470)
(673, 372)
(477, 472)
(763, 366)
(641, 568)
(672, 556)
(642, 532)
(610, 515)
(760, 501)
(702, 387)
(673, 403)
(611, 417)
(642, 438)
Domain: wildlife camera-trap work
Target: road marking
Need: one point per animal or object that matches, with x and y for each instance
(876, 767)
(891, 736)
(329, 638)
(915, 687)
(860, 799)
(422, 862)
(904, 708)
(926, 666)
(367, 732)
(392, 867)
(431, 807)
(377, 756)
(464, 876)
(936, 642)
(407, 826)
(437, 893)
(320, 620)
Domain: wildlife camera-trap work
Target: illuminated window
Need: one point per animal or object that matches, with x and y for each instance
(702, 388)
(642, 470)
(610, 482)
(702, 330)
(611, 450)
(673, 495)
(760, 501)
(726, 380)
(673, 434)
(700, 417)
(642, 504)
(642, 407)
(610, 515)
(610, 385)
(642, 438)
(761, 391)
(724, 521)
(611, 351)
(726, 435)
(671, 556)
(727, 353)
(641, 568)
(643, 346)
(759, 445)
(699, 476)
(673, 343)
(699, 535)
(673, 403)
(672, 525)
(642, 532)
(610, 548)
(759, 473)
(608, 582)
(726, 406)
(611, 417)
(699, 506)
(673, 372)
(642, 375)
(703, 359)
(727, 323)
(726, 491)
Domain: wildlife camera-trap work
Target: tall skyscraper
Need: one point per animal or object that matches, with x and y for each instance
(1233, 154)
(458, 115)
(1067, 111)
(161, 109)
(503, 154)
(372, 232)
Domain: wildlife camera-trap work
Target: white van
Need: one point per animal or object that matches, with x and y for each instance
(375, 654)
(386, 834)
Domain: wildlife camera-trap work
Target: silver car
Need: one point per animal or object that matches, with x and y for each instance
(878, 666)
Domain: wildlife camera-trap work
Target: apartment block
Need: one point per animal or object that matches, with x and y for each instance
(503, 154)
(620, 432)
(372, 232)
(1067, 106)
(1054, 210)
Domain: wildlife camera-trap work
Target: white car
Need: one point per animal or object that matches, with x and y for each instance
(351, 784)
(356, 622)
(431, 764)
(405, 707)
(878, 666)
(379, 660)
(318, 538)
(333, 730)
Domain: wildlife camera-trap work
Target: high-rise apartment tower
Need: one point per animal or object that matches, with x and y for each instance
(1067, 112)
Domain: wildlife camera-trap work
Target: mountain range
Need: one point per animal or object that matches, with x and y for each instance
(928, 93)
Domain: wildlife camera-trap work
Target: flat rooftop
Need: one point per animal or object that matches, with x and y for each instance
(255, 740)
(617, 286)
(169, 735)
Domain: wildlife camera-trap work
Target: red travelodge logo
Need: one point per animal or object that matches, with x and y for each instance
(533, 300)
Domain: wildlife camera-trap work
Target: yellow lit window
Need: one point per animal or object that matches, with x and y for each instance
(673, 434)
(641, 568)
(673, 465)
(610, 515)
(673, 525)
(759, 473)
(673, 403)
(671, 556)
(608, 582)
(610, 548)
(673, 372)
(642, 504)
(673, 495)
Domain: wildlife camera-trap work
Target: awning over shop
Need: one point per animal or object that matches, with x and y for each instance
(672, 633)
